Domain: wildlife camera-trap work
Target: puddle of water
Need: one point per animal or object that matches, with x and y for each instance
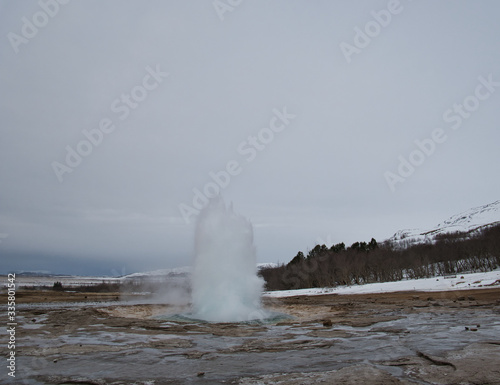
(272, 318)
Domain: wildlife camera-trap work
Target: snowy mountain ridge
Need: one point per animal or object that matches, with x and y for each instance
(182, 271)
(468, 221)
(174, 272)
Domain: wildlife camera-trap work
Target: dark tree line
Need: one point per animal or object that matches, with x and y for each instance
(372, 262)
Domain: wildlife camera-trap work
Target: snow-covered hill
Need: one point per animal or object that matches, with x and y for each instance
(468, 221)
(175, 272)
(266, 265)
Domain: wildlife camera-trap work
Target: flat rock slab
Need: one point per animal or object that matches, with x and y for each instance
(352, 375)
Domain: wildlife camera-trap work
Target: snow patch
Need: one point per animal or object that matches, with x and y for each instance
(468, 221)
(469, 281)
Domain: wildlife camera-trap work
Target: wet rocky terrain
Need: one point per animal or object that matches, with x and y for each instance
(392, 338)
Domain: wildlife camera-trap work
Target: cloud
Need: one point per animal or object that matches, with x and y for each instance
(323, 175)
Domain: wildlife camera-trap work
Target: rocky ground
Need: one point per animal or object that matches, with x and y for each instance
(394, 338)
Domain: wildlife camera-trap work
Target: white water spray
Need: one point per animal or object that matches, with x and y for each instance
(225, 284)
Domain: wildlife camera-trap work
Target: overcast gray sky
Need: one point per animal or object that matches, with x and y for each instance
(114, 113)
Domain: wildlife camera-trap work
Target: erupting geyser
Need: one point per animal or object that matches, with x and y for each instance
(225, 285)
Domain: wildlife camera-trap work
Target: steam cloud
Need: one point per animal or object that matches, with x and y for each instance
(225, 285)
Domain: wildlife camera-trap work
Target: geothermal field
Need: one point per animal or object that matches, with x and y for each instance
(227, 331)
(447, 337)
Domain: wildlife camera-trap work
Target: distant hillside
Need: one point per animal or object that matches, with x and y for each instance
(161, 273)
(469, 221)
(178, 272)
(468, 242)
